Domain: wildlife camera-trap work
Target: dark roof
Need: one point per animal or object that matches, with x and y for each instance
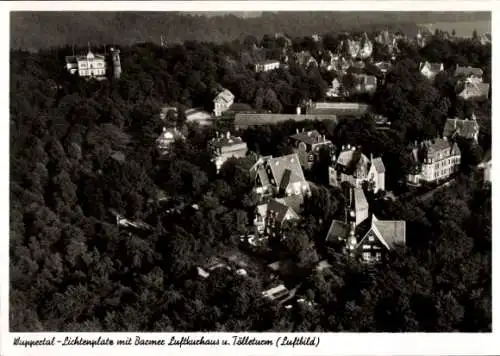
(462, 127)
(308, 137)
(439, 144)
(288, 164)
(338, 229)
(294, 202)
(243, 120)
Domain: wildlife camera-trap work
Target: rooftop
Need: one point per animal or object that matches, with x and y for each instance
(309, 137)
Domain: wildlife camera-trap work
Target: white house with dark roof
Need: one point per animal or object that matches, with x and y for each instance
(281, 176)
(465, 128)
(223, 101)
(354, 167)
(363, 236)
(223, 147)
(307, 146)
(434, 160)
(430, 70)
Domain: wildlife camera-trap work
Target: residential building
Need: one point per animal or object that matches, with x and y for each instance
(430, 70)
(271, 216)
(335, 90)
(354, 167)
(167, 137)
(223, 101)
(305, 59)
(280, 176)
(472, 89)
(362, 235)
(359, 48)
(433, 161)
(465, 128)
(364, 84)
(226, 146)
(87, 66)
(307, 146)
(471, 73)
(485, 167)
(278, 293)
(266, 66)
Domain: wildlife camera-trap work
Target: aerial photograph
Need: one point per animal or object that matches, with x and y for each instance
(267, 171)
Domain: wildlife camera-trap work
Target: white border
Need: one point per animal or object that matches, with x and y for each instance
(343, 343)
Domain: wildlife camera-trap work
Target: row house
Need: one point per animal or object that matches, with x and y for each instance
(362, 235)
(223, 102)
(267, 66)
(354, 167)
(279, 177)
(167, 138)
(223, 147)
(307, 146)
(465, 128)
(433, 161)
(430, 70)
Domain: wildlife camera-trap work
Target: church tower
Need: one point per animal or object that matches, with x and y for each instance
(115, 58)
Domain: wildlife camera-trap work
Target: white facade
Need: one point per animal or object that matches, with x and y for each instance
(267, 66)
(91, 65)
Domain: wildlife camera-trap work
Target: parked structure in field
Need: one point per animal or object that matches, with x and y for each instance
(267, 66)
(431, 70)
(433, 161)
(362, 235)
(465, 128)
(308, 145)
(226, 146)
(223, 101)
(354, 167)
(279, 177)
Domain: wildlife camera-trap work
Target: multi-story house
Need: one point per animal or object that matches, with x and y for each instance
(430, 70)
(93, 65)
(471, 73)
(361, 49)
(270, 216)
(362, 235)
(167, 138)
(267, 66)
(465, 128)
(433, 161)
(354, 167)
(279, 177)
(222, 102)
(470, 89)
(307, 146)
(226, 146)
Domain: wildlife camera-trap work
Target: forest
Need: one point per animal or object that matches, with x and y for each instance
(82, 149)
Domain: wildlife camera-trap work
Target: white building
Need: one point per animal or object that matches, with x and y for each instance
(267, 66)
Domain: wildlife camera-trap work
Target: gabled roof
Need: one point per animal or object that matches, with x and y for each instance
(468, 71)
(288, 168)
(225, 95)
(478, 89)
(338, 229)
(432, 67)
(226, 141)
(278, 208)
(391, 232)
(462, 127)
(308, 137)
(294, 202)
(360, 201)
(379, 165)
(352, 161)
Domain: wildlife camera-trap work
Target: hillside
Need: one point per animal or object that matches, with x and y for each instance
(36, 30)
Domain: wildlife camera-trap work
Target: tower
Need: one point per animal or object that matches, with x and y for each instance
(115, 58)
